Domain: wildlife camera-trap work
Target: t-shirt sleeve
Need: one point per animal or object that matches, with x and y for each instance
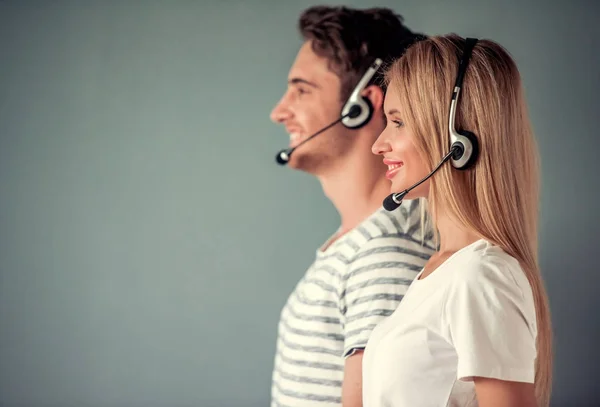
(375, 283)
(490, 316)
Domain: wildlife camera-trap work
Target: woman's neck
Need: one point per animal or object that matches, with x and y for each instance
(453, 236)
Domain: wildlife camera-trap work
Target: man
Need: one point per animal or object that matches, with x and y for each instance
(362, 271)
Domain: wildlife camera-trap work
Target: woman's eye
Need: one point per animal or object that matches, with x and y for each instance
(398, 123)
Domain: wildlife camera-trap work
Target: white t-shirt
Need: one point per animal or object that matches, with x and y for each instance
(473, 316)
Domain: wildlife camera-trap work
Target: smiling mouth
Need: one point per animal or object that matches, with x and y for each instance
(393, 169)
(295, 139)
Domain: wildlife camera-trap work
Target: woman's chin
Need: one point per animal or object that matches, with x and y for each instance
(418, 192)
(398, 187)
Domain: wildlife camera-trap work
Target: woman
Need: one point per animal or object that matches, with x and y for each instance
(474, 327)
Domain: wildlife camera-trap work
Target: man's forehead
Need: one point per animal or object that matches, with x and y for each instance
(310, 67)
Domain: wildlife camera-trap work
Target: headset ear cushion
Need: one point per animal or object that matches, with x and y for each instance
(369, 110)
(363, 117)
(474, 145)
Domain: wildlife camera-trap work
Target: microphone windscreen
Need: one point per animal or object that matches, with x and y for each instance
(282, 157)
(389, 204)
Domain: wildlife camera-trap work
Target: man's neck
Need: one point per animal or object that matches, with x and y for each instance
(356, 189)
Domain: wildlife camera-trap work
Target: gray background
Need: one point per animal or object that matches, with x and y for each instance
(147, 238)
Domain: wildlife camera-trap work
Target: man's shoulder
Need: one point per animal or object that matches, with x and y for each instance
(406, 226)
(401, 234)
(392, 247)
(399, 239)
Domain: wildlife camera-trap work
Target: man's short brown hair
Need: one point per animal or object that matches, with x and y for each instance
(352, 38)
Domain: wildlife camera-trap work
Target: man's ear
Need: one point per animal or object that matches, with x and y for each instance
(375, 94)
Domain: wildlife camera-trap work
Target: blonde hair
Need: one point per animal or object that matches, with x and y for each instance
(497, 198)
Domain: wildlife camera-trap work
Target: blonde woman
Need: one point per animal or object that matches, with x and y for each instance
(474, 327)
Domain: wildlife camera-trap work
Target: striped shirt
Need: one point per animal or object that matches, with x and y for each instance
(350, 287)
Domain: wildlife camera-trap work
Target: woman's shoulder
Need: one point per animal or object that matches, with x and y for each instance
(486, 266)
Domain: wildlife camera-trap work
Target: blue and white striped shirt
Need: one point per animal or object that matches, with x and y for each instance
(351, 286)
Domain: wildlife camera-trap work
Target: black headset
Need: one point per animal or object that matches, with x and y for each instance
(464, 146)
(353, 118)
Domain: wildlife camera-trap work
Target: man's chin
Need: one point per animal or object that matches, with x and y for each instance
(298, 164)
(304, 162)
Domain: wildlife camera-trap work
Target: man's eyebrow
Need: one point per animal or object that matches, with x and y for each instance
(296, 81)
